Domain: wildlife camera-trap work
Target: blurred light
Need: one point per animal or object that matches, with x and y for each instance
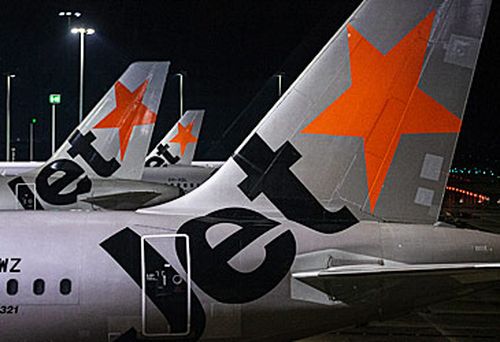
(88, 31)
(70, 14)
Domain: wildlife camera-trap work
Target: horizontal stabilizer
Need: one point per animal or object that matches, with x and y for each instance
(357, 282)
(132, 200)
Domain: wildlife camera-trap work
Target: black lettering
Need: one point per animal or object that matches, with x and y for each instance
(209, 266)
(12, 262)
(269, 173)
(82, 145)
(162, 150)
(13, 268)
(9, 310)
(52, 192)
(125, 248)
(24, 195)
(154, 161)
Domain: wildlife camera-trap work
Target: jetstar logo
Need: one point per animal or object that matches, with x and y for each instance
(184, 136)
(129, 112)
(55, 178)
(163, 157)
(384, 102)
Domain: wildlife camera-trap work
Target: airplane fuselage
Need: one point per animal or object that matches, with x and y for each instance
(93, 277)
(20, 183)
(66, 192)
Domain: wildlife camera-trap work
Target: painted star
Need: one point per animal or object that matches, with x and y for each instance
(129, 112)
(184, 136)
(384, 102)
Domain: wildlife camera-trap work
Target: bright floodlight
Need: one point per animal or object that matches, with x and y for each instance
(61, 14)
(77, 14)
(68, 13)
(83, 30)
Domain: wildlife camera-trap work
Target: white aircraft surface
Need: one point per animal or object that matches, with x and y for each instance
(324, 217)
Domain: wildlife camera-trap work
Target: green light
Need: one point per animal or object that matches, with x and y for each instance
(55, 98)
(33, 120)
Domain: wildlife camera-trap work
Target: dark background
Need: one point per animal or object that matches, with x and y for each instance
(229, 52)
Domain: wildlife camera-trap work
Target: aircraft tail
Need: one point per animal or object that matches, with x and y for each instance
(179, 145)
(368, 131)
(114, 137)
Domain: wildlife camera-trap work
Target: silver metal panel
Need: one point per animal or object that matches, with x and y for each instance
(397, 198)
(448, 83)
(384, 28)
(424, 196)
(432, 167)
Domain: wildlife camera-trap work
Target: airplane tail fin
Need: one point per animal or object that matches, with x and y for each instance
(179, 145)
(114, 137)
(369, 129)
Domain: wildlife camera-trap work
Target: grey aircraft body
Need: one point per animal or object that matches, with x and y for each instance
(325, 216)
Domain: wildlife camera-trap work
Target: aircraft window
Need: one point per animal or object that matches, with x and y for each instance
(65, 287)
(192, 185)
(38, 287)
(12, 287)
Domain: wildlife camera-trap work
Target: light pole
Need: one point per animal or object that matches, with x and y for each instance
(7, 120)
(181, 93)
(82, 31)
(53, 140)
(54, 100)
(32, 133)
(69, 15)
(280, 83)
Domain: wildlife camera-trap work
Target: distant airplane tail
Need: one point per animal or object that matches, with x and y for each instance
(368, 130)
(179, 145)
(114, 137)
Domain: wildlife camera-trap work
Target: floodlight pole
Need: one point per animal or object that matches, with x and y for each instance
(181, 93)
(82, 61)
(7, 119)
(82, 31)
(31, 140)
(53, 128)
(280, 83)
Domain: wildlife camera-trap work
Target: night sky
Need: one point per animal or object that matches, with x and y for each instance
(228, 50)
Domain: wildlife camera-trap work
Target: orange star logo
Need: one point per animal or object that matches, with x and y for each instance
(129, 112)
(384, 102)
(184, 136)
